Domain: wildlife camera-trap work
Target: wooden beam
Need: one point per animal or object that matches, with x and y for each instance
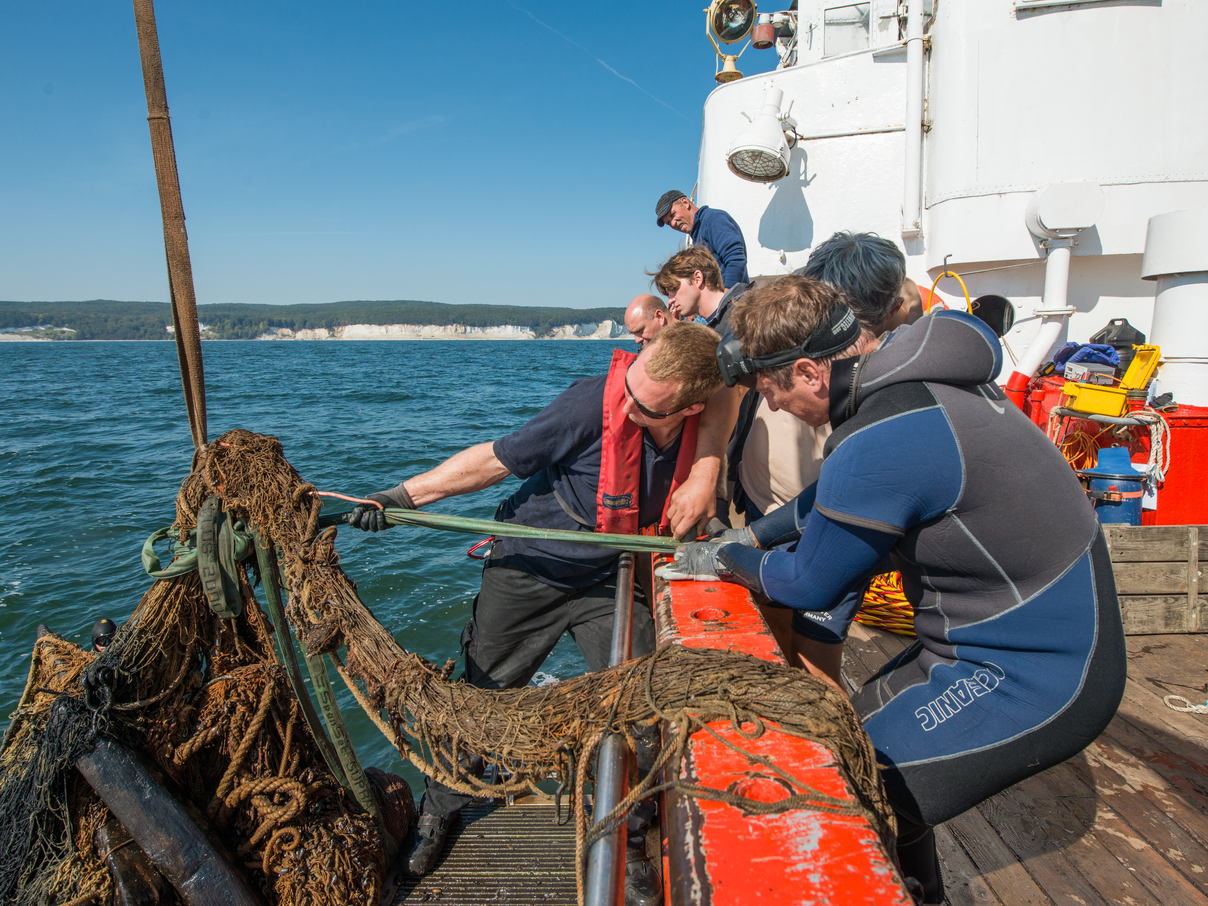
(1194, 605)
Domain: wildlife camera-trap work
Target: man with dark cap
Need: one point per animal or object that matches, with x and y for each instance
(710, 227)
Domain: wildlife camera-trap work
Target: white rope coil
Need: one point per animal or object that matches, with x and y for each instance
(1193, 709)
(1159, 444)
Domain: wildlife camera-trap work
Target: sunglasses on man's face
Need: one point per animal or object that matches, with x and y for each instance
(649, 413)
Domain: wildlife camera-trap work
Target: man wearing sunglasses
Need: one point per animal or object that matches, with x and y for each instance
(1020, 660)
(603, 456)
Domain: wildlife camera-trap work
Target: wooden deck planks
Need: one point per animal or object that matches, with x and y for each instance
(963, 885)
(1128, 793)
(999, 865)
(1124, 822)
(1034, 827)
(1073, 811)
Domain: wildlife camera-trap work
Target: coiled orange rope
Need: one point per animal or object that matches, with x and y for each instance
(885, 605)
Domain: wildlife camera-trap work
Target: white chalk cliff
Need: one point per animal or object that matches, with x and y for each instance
(603, 330)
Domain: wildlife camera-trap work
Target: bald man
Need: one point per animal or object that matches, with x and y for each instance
(645, 317)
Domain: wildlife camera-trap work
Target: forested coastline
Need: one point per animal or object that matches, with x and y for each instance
(105, 319)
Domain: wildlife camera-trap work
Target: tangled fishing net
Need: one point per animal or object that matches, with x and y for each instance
(207, 701)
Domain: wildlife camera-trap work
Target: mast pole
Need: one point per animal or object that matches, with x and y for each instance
(187, 331)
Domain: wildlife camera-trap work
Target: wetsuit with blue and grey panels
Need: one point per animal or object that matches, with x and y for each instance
(1020, 658)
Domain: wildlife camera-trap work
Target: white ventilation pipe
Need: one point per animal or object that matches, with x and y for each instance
(1053, 314)
(912, 187)
(1176, 256)
(1055, 215)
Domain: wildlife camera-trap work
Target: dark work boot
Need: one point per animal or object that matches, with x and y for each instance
(918, 859)
(643, 887)
(430, 834)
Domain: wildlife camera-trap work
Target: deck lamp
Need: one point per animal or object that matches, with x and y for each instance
(761, 153)
(730, 21)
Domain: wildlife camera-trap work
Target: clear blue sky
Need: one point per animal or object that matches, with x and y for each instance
(498, 152)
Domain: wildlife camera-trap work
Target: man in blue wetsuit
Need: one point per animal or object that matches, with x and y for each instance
(1020, 658)
(604, 456)
(709, 227)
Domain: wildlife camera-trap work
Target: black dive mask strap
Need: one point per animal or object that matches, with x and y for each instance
(836, 332)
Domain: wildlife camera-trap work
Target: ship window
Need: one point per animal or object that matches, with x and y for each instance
(846, 29)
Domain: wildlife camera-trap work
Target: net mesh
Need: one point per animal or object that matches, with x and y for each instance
(208, 701)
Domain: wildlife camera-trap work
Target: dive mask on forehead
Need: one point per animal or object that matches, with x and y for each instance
(836, 332)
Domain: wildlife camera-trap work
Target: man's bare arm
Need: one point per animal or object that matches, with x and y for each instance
(695, 501)
(470, 470)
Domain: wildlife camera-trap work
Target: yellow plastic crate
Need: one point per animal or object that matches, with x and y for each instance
(1113, 401)
(1095, 400)
(1141, 368)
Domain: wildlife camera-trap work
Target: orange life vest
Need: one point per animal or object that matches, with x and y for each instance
(621, 458)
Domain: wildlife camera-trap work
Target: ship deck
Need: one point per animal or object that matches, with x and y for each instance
(1124, 822)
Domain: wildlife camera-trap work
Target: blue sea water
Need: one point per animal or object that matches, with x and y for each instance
(94, 443)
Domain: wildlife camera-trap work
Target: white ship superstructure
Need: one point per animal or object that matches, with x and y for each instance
(938, 125)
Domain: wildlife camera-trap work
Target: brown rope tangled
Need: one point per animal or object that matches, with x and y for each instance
(209, 701)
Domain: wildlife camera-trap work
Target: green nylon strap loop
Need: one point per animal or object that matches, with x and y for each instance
(187, 562)
(244, 547)
(269, 575)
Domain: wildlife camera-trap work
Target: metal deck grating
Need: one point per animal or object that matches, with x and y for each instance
(501, 854)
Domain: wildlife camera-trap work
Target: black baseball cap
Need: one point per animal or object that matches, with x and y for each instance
(665, 202)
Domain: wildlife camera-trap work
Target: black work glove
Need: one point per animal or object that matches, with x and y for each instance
(371, 519)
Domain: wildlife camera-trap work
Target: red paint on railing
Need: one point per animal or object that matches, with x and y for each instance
(722, 855)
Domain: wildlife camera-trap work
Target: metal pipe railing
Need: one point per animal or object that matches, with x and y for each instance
(606, 858)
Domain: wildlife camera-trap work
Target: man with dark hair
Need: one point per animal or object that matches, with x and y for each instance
(604, 455)
(869, 270)
(1020, 660)
(871, 273)
(709, 227)
(912, 307)
(691, 281)
(645, 317)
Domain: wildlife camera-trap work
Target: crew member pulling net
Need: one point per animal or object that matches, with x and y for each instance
(206, 699)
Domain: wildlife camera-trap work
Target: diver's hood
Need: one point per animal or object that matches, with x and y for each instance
(948, 347)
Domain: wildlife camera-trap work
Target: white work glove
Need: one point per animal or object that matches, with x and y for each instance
(743, 536)
(696, 561)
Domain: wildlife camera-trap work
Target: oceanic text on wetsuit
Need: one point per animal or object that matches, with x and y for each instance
(959, 695)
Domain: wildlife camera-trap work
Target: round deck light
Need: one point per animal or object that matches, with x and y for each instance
(761, 153)
(731, 20)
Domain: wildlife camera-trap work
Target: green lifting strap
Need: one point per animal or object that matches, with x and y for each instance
(217, 562)
(652, 544)
(358, 783)
(267, 557)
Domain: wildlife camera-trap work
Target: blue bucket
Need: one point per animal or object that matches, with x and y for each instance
(1115, 487)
